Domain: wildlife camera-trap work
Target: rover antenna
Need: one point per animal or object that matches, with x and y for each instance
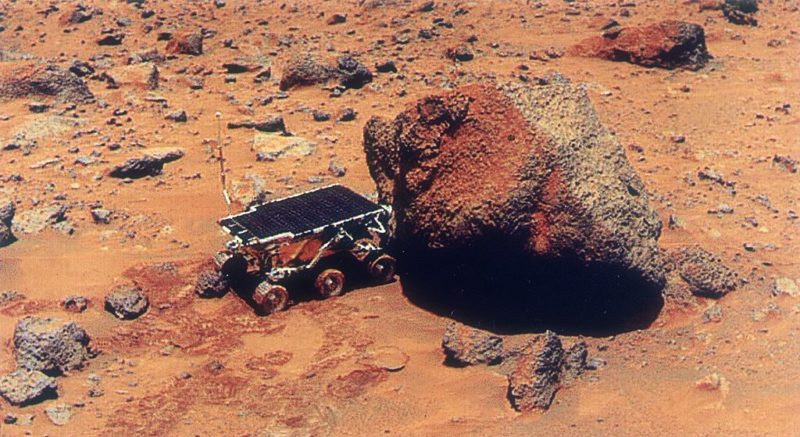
(221, 159)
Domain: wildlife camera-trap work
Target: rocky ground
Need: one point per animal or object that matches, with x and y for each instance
(110, 117)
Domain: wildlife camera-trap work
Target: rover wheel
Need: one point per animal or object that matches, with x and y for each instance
(271, 298)
(330, 283)
(383, 268)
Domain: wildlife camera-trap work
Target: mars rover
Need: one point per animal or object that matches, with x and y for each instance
(305, 235)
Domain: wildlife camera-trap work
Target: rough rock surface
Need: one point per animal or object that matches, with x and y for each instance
(6, 236)
(575, 360)
(211, 284)
(741, 11)
(667, 44)
(24, 387)
(25, 79)
(127, 302)
(186, 44)
(7, 211)
(464, 345)
(307, 69)
(536, 376)
(50, 345)
(36, 220)
(704, 272)
(151, 163)
(524, 172)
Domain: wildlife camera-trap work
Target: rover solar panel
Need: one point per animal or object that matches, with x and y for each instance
(299, 215)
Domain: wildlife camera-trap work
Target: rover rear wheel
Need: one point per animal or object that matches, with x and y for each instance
(383, 268)
(271, 298)
(330, 283)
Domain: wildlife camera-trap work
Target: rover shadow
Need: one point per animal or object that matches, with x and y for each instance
(489, 290)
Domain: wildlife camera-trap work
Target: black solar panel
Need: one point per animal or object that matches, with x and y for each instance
(299, 214)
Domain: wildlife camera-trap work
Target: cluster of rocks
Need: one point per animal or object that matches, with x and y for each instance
(27, 79)
(536, 370)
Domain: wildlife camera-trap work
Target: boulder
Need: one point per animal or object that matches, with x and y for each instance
(513, 189)
(186, 44)
(127, 302)
(464, 346)
(27, 79)
(25, 387)
(667, 44)
(51, 345)
(75, 304)
(536, 375)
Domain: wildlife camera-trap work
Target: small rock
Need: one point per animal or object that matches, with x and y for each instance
(336, 19)
(101, 216)
(320, 115)
(6, 236)
(713, 382)
(185, 44)
(712, 314)
(575, 360)
(75, 304)
(211, 283)
(111, 39)
(38, 107)
(127, 302)
(25, 387)
(59, 414)
(7, 211)
(177, 116)
(460, 53)
(705, 272)
(348, 114)
(387, 66)
(336, 170)
(465, 346)
(536, 376)
(785, 286)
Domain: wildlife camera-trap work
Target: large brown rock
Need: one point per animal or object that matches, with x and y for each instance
(667, 44)
(523, 183)
(186, 43)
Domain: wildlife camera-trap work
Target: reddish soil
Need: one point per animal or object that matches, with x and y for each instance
(213, 367)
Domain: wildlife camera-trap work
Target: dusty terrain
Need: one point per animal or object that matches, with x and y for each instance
(213, 367)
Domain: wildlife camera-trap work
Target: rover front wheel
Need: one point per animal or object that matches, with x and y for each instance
(330, 283)
(271, 298)
(383, 268)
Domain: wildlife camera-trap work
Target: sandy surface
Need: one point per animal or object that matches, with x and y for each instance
(316, 369)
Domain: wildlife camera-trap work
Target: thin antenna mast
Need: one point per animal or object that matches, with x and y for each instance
(222, 163)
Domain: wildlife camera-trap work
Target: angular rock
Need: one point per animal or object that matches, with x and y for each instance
(36, 220)
(785, 286)
(464, 346)
(305, 69)
(135, 168)
(211, 284)
(7, 211)
(704, 272)
(273, 123)
(127, 302)
(101, 215)
(59, 414)
(575, 360)
(516, 180)
(6, 236)
(25, 387)
(741, 11)
(536, 376)
(186, 44)
(25, 79)
(113, 39)
(177, 116)
(51, 345)
(459, 53)
(667, 44)
(75, 304)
